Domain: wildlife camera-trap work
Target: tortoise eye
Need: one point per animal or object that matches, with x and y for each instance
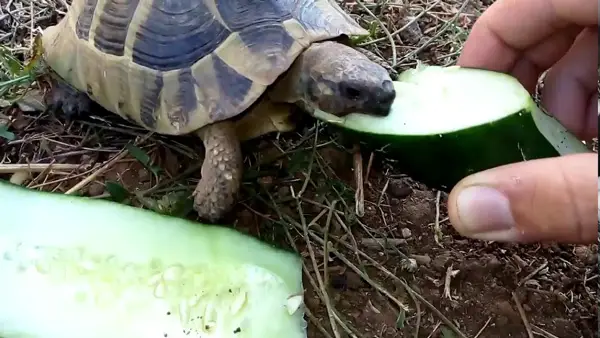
(350, 92)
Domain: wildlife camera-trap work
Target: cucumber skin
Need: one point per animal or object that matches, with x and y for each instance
(441, 162)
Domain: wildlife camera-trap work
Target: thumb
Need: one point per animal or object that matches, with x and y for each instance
(554, 199)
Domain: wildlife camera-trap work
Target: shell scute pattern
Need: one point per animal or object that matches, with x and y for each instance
(150, 100)
(174, 66)
(187, 102)
(84, 20)
(176, 34)
(323, 19)
(241, 14)
(114, 21)
(311, 16)
(233, 85)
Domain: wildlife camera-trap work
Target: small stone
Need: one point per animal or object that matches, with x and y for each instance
(347, 280)
(313, 302)
(266, 180)
(385, 243)
(502, 320)
(536, 298)
(492, 262)
(520, 262)
(422, 259)
(505, 308)
(409, 265)
(585, 254)
(406, 233)
(86, 158)
(95, 189)
(562, 297)
(565, 280)
(283, 192)
(439, 262)
(339, 282)
(399, 189)
(345, 304)
(354, 281)
(144, 175)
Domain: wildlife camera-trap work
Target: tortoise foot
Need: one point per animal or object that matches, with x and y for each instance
(68, 100)
(217, 191)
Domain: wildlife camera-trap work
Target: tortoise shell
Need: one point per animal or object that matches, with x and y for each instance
(174, 66)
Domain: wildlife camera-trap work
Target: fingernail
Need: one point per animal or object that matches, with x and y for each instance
(485, 214)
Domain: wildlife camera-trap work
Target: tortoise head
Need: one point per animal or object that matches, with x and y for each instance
(340, 80)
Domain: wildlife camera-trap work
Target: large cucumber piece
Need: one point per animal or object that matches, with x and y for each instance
(73, 267)
(449, 122)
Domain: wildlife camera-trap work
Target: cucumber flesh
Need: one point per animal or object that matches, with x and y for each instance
(449, 122)
(73, 267)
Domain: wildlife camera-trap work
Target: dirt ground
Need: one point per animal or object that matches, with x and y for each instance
(394, 266)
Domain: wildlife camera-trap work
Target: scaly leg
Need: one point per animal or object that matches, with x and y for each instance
(68, 100)
(222, 170)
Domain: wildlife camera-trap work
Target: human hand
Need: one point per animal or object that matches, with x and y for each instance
(552, 199)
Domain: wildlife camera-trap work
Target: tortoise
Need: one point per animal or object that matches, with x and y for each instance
(180, 67)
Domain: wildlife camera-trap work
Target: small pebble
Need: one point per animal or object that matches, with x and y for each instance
(354, 281)
(585, 254)
(406, 233)
(399, 189)
(439, 262)
(144, 175)
(505, 308)
(96, 189)
(409, 265)
(422, 259)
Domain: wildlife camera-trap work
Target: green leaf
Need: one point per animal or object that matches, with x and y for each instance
(10, 63)
(117, 192)
(298, 161)
(177, 204)
(181, 206)
(143, 158)
(139, 154)
(400, 321)
(6, 134)
(447, 333)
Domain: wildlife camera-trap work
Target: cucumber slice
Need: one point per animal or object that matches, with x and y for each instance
(73, 267)
(449, 122)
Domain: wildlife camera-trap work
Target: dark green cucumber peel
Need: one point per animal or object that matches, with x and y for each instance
(440, 161)
(440, 154)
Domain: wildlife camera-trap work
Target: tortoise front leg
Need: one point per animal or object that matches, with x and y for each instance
(217, 191)
(64, 98)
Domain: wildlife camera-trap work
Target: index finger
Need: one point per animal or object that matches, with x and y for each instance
(534, 32)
